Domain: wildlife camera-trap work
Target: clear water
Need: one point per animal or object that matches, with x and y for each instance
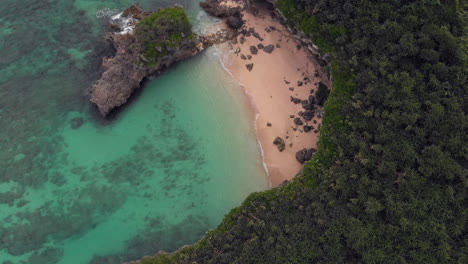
(156, 176)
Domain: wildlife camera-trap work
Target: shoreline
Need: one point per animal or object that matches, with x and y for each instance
(268, 86)
(254, 115)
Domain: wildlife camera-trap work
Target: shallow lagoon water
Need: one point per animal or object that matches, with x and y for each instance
(156, 176)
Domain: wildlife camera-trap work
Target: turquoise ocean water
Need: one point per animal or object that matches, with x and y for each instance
(155, 176)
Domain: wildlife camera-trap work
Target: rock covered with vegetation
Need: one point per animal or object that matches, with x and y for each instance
(146, 44)
(388, 182)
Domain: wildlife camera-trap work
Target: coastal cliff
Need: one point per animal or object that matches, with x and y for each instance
(146, 43)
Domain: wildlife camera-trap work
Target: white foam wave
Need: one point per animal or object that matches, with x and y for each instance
(106, 12)
(126, 24)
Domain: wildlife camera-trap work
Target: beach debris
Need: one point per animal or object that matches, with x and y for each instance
(298, 121)
(278, 46)
(292, 116)
(291, 88)
(242, 56)
(305, 155)
(249, 56)
(249, 66)
(269, 49)
(238, 50)
(269, 124)
(279, 142)
(286, 82)
(253, 50)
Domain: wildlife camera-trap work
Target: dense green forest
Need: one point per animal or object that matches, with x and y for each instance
(388, 183)
(163, 31)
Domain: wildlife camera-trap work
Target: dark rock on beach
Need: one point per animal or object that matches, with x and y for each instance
(307, 105)
(260, 46)
(235, 22)
(253, 50)
(305, 155)
(308, 128)
(279, 142)
(249, 66)
(298, 121)
(308, 115)
(269, 49)
(295, 100)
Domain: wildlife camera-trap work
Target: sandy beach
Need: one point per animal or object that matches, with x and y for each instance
(270, 83)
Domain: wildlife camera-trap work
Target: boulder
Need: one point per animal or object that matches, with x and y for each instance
(269, 49)
(299, 83)
(298, 121)
(312, 99)
(305, 155)
(307, 105)
(260, 46)
(242, 56)
(253, 50)
(279, 142)
(308, 115)
(242, 40)
(249, 66)
(234, 22)
(308, 128)
(295, 100)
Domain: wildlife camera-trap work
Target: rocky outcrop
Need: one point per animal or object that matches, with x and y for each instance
(124, 72)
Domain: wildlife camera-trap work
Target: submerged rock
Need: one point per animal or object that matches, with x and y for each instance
(76, 122)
